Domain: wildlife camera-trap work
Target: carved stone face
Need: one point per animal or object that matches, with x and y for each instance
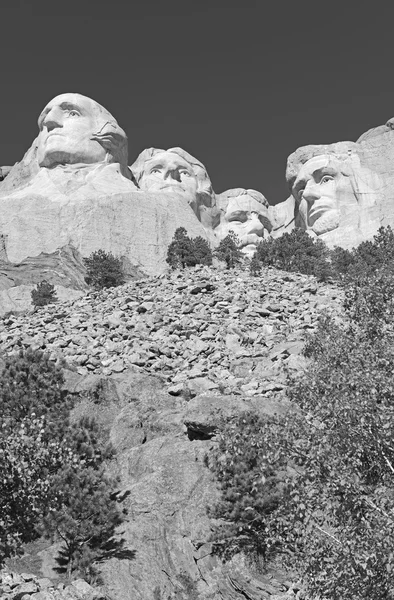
(67, 125)
(320, 189)
(246, 217)
(168, 172)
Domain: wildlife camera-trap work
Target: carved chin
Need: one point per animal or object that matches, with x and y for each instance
(327, 222)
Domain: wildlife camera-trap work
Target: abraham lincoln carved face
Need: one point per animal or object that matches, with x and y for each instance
(320, 188)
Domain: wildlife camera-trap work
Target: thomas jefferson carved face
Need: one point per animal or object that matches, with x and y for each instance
(245, 212)
(321, 188)
(168, 172)
(67, 128)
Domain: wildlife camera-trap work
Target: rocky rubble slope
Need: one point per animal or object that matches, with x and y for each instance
(203, 325)
(159, 362)
(26, 586)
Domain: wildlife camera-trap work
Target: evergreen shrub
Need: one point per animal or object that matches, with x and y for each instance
(52, 471)
(316, 486)
(184, 251)
(104, 270)
(43, 294)
(296, 252)
(229, 251)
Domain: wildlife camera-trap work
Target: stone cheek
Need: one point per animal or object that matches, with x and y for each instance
(246, 214)
(74, 129)
(336, 197)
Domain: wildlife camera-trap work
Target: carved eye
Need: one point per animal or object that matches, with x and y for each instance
(238, 217)
(326, 179)
(73, 113)
(156, 170)
(300, 193)
(185, 174)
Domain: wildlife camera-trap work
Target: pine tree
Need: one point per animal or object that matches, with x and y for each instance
(31, 384)
(52, 478)
(228, 250)
(296, 252)
(255, 266)
(84, 515)
(180, 252)
(201, 251)
(43, 294)
(104, 270)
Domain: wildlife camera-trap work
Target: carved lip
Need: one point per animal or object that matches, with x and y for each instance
(172, 185)
(52, 133)
(319, 207)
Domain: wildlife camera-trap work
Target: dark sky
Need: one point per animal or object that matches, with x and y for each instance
(239, 84)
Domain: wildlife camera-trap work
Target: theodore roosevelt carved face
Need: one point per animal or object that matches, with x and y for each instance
(75, 129)
(245, 213)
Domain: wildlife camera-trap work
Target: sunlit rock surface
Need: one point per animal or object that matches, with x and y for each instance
(342, 192)
(73, 188)
(246, 214)
(165, 359)
(336, 197)
(176, 172)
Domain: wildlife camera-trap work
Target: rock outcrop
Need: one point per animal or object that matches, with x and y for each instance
(245, 213)
(26, 586)
(73, 188)
(4, 172)
(207, 324)
(175, 171)
(342, 192)
(159, 362)
(336, 197)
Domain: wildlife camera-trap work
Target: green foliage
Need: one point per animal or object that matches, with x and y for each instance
(104, 270)
(202, 251)
(369, 301)
(228, 250)
(27, 457)
(83, 514)
(251, 486)
(325, 471)
(52, 478)
(30, 383)
(368, 258)
(43, 294)
(299, 252)
(255, 266)
(188, 252)
(296, 252)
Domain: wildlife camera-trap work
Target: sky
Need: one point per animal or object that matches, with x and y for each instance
(238, 84)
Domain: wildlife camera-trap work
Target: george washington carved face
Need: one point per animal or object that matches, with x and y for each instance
(75, 129)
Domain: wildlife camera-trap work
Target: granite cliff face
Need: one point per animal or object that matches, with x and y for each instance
(342, 192)
(158, 362)
(74, 189)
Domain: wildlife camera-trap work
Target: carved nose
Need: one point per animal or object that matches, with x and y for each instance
(52, 121)
(173, 173)
(311, 192)
(255, 225)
